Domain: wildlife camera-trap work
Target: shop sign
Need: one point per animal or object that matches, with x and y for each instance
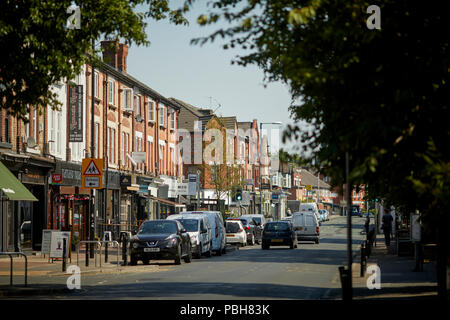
(33, 177)
(56, 244)
(76, 113)
(182, 189)
(125, 180)
(57, 178)
(139, 157)
(192, 184)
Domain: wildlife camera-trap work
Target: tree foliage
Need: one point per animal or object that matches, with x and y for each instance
(40, 50)
(380, 95)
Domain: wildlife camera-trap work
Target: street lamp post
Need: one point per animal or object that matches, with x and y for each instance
(260, 164)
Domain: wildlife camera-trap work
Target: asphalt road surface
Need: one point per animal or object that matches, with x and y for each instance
(308, 272)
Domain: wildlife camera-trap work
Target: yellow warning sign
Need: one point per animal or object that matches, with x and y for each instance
(92, 173)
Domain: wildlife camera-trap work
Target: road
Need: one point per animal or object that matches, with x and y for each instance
(308, 272)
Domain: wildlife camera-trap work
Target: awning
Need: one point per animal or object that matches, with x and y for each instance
(168, 202)
(12, 187)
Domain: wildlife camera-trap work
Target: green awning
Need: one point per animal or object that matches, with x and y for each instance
(12, 187)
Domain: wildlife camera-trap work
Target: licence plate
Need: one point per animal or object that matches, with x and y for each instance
(277, 240)
(151, 249)
(230, 235)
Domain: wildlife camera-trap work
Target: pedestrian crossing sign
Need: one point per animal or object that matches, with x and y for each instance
(92, 173)
(91, 169)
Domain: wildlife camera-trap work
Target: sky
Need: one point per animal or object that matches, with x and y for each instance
(204, 76)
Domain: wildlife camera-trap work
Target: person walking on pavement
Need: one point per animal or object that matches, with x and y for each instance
(367, 224)
(387, 227)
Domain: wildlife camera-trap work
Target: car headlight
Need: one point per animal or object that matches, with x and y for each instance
(194, 239)
(171, 242)
(135, 245)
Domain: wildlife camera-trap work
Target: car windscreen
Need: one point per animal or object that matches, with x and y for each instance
(191, 225)
(244, 221)
(277, 227)
(158, 227)
(232, 227)
(257, 220)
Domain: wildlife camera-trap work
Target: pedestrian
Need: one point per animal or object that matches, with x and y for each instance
(367, 224)
(387, 227)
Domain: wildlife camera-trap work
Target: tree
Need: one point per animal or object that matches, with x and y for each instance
(380, 95)
(40, 47)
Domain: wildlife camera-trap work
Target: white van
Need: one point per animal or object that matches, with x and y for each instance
(218, 232)
(199, 230)
(310, 207)
(306, 226)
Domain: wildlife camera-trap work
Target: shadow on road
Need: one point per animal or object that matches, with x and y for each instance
(198, 290)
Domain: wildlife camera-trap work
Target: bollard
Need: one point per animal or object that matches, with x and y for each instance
(124, 250)
(87, 255)
(363, 259)
(64, 255)
(106, 252)
(345, 283)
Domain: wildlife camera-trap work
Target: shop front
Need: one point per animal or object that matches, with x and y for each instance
(12, 194)
(28, 219)
(70, 203)
(108, 205)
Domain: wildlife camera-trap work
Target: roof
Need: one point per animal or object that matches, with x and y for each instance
(190, 114)
(309, 179)
(127, 79)
(229, 122)
(245, 125)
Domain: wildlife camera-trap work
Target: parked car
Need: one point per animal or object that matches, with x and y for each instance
(218, 232)
(258, 218)
(289, 219)
(306, 226)
(327, 214)
(160, 240)
(235, 232)
(356, 213)
(253, 231)
(370, 214)
(199, 231)
(279, 233)
(321, 216)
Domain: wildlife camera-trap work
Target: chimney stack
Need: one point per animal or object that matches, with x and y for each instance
(115, 54)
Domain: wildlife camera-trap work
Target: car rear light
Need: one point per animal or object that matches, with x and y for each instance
(240, 230)
(317, 229)
(248, 228)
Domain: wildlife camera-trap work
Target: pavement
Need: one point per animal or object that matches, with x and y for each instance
(398, 280)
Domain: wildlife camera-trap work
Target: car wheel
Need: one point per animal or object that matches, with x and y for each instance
(188, 257)
(224, 250)
(252, 240)
(317, 241)
(178, 256)
(198, 253)
(291, 246)
(146, 261)
(209, 252)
